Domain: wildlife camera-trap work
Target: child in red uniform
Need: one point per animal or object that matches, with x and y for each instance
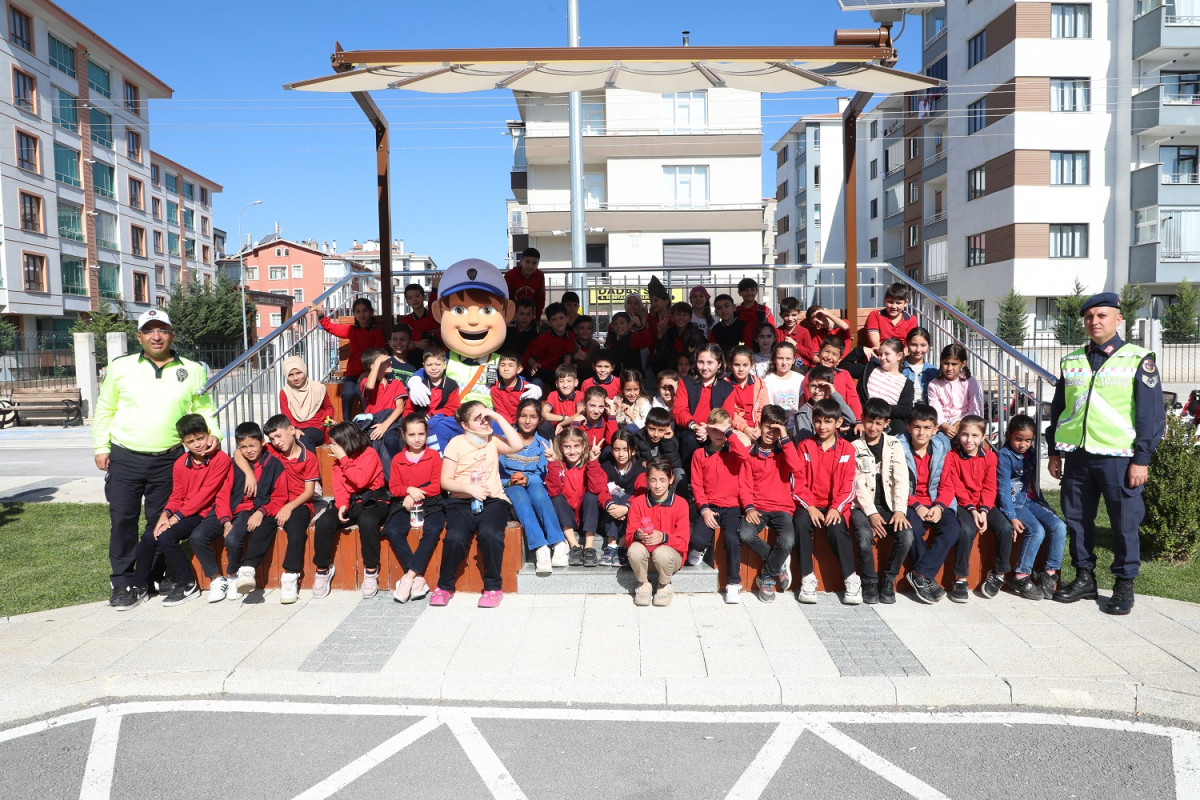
(602, 370)
(931, 504)
(696, 397)
(301, 474)
(751, 312)
(422, 328)
(444, 401)
(819, 324)
(416, 486)
(305, 402)
(586, 346)
(526, 281)
(252, 523)
(656, 530)
(714, 477)
(385, 400)
(596, 424)
(359, 496)
(970, 472)
(765, 492)
(825, 489)
(506, 391)
(561, 406)
(575, 483)
(362, 335)
(891, 321)
(749, 394)
(789, 326)
(551, 348)
(197, 483)
(830, 355)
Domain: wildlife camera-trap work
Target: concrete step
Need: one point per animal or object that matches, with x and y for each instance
(606, 580)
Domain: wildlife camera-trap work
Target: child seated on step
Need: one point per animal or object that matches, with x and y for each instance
(359, 497)
(249, 534)
(656, 531)
(415, 483)
(444, 399)
(602, 375)
(930, 503)
(506, 391)
(820, 387)
(657, 438)
(830, 355)
(302, 475)
(891, 321)
(916, 366)
(954, 394)
(749, 393)
(880, 503)
(626, 477)
(596, 423)
(631, 404)
(305, 402)
(384, 398)
(714, 478)
(361, 335)
(197, 484)
(561, 407)
(765, 492)
(971, 471)
(575, 482)
(523, 474)
(784, 384)
(667, 384)
(882, 378)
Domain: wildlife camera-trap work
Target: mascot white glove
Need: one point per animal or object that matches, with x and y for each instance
(532, 391)
(418, 392)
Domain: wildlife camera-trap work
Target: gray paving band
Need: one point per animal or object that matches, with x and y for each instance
(858, 641)
(368, 636)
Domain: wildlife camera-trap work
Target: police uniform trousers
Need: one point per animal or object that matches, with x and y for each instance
(134, 479)
(1087, 478)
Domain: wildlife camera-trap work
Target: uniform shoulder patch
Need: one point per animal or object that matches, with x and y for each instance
(1150, 381)
(1148, 366)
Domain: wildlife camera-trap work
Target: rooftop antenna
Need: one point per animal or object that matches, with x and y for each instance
(687, 38)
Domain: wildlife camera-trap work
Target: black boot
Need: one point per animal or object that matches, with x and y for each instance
(1082, 588)
(1121, 602)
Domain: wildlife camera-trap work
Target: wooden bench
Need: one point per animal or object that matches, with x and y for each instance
(29, 404)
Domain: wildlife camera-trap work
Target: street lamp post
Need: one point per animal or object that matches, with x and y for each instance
(242, 275)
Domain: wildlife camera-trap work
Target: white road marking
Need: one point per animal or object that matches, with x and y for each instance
(369, 760)
(102, 758)
(1185, 756)
(876, 763)
(491, 770)
(770, 758)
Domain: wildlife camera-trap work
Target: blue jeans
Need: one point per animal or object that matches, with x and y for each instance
(535, 512)
(1040, 520)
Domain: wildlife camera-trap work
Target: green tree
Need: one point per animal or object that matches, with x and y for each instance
(958, 330)
(1179, 319)
(111, 318)
(1068, 322)
(208, 314)
(1133, 299)
(1172, 525)
(8, 335)
(1013, 320)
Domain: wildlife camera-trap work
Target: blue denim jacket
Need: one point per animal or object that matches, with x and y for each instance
(938, 447)
(921, 381)
(1014, 480)
(530, 459)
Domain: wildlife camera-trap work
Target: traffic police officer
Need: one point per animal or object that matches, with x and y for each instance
(1107, 417)
(133, 432)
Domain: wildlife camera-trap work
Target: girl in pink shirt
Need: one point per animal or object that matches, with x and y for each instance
(954, 393)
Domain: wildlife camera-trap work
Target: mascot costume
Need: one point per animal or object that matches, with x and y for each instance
(473, 310)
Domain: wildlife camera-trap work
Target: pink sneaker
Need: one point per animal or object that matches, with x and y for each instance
(489, 600)
(440, 597)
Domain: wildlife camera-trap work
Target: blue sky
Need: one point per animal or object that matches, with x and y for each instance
(309, 156)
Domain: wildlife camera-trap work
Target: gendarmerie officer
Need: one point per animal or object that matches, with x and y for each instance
(1107, 417)
(133, 432)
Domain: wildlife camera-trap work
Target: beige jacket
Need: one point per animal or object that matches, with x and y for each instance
(895, 475)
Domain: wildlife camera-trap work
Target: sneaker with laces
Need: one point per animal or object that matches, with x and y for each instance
(923, 587)
(322, 581)
(784, 581)
(1027, 588)
(733, 594)
(541, 562)
(664, 595)
(870, 592)
(960, 593)
(853, 595)
(766, 588)
(560, 554)
(607, 555)
(125, 598)
(370, 583)
(694, 557)
(575, 557)
(289, 588)
(887, 590)
(404, 587)
(992, 586)
(1048, 581)
(420, 588)
(590, 557)
(217, 589)
(492, 598)
(181, 594)
(808, 589)
(440, 597)
(245, 580)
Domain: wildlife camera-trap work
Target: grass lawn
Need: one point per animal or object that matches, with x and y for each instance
(52, 555)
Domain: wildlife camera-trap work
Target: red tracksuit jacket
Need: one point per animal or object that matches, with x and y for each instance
(197, 486)
(354, 474)
(572, 482)
(443, 399)
(827, 480)
(669, 516)
(361, 340)
(602, 432)
(715, 474)
(549, 350)
(505, 399)
(972, 479)
(426, 474)
(566, 406)
(272, 493)
(765, 480)
(612, 388)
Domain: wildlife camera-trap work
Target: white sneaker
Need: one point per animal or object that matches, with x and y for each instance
(245, 580)
(694, 557)
(853, 593)
(733, 594)
(808, 589)
(560, 554)
(217, 589)
(321, 582)
(231, 592)
(543, 560)
(289, 588)
(370, 583)
(784, 581)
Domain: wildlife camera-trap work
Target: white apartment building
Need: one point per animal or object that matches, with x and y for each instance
(671, 180)
(365, 256)
(84, 202)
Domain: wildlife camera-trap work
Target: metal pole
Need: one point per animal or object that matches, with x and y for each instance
(850, 204)
(242, 275)
(578, 224)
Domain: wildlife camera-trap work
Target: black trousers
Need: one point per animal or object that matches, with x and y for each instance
(243, 548)
(839, 541)
(169, 543)
(296, 528)
(461, 525)
(586, 518)
(312, 437)
(702, 538)
(1000, 527)
(369, 521)
(133, 480)
(397, 535)
(865, 541)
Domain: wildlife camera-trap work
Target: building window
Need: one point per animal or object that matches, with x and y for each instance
(20, 29)
(137, 240)
(172, 183)
(914, 191)
(276, 319)
(204, 225)
(874, 129)
(155, 175)
(1069, 168)
(66, 165)
(189, 219)
(133, 102)
(35, 272)
(141, 287)
(874, 207)
(203, 196)
(685, 187)
(1145, 225)
(298, 271)
(172, 212)
(277, 273)
(106, 230)
(817, 176)
(160, 275)
(977, 250)
(1070, 21)
(251, 273)
(189, 190)
(297, 295)
(101, 127)
(135, 194)
(173, 243)
(593, 117)
(72, 272)
(975, 310)
(24, 89)
(1045, 313)
(156, 208)
(976, 183)
(874, 168)
(158, 243)
(189, 248)
(99, 79)
(976, 48)
(893, 158)
(103, 181)
(31, 212)
(893, 200)
(914, 147)
(783, 224)
(977, 116)
(27, 152)
(62, 55)
(874, 248)
(205, 253)
(133, 145)
(1069, 241)
(914, 235)
(110, 280)
(1070, 94)
(685, 112)
(70, 221)
(1179, 164)
(65, 113)
(817, 214)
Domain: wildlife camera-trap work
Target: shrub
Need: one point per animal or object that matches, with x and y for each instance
(1013, 319)
(1068, 322)
(1172, 525)
(1179, 324)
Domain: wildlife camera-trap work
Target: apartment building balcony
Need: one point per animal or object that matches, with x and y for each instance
(1163, 111)
(1166, 245)
(1166, 31)
(935, 165)
(1151, 263)
(935, 46)
(935, 225)
(619, 218)
(1150, 186)
(645, 144)
(519, 183)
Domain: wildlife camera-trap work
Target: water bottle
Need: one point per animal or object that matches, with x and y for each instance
(416, 517)
(476, 478)
(646, 527)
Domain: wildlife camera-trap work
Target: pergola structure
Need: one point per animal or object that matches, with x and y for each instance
(858, 61)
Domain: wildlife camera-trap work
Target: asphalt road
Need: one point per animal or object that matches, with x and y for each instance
(280, 749)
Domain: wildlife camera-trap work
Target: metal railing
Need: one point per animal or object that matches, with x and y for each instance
(41, 360)
(1175, 178)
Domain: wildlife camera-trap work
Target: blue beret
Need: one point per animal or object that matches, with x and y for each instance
(1109, 299)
